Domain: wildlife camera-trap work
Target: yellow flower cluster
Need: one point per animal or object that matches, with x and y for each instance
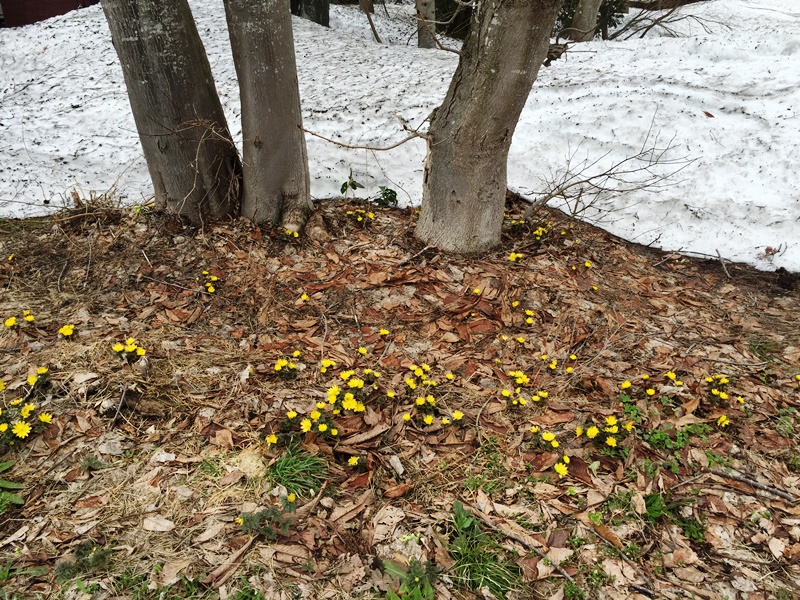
(561, 467)
(67, 330)
(360, 216)
(130, 351)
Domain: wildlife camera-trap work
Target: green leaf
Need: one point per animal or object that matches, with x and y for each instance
(6, 466)
(10, 485)
(356, 185)
(345, 185)
(394, 570)
(6, 497)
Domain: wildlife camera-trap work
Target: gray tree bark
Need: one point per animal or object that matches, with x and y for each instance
(276, 182)
(470, 134)
(584, 22)
(426, 23)
(189, 151)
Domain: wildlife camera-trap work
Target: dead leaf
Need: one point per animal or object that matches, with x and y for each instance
(157, 523)
(777, 546)
(385, 521)
(171, 571)
(609, 535)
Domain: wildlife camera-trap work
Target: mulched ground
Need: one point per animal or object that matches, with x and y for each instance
(153, 462)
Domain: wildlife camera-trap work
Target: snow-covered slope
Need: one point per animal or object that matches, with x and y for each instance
(725, 96)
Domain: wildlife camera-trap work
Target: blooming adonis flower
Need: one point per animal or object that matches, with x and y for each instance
(67, 330)
(383, 332)
(534, 429)
(3, 427)
(670, 375)
(239, 521)
(305, 425)
(291, 497)
(650, 392)
(32, 379)
(140, 351)
(592, 432)
(548, 436)
(445, 421)
(10, 322)
(26, 410)
(420, 401)
(515, 304)
(118, 347)
(565, 458)
(291, 415)
(561, 469)
(315, 414)
(353, 461)
(322, 428)
(554, 443)
(645, 377)
(28, 316)
(458, 415)
(723, 421)
(362, 351)
(612, 420)
(578, 431)
(428, 419)
(21, 429)
(588, 264)
(629, 426)
(476, 291)
(390, 394)
(406, 417)
(625, 385)
(272, 439)
(611, 441)
(569, 370)
(573, 357)
(514, 256)
(303, 297)
(334, 432)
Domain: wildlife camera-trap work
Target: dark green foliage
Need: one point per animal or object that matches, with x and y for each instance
(416, 583)
(88, 557)
(271, 523)
(387, 198)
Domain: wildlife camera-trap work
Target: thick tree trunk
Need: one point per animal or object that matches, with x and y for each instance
(470, 134)
(426, 23)
(584, 23)
(276, 183)
(189, 152)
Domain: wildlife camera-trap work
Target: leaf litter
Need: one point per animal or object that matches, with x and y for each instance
(140, 460)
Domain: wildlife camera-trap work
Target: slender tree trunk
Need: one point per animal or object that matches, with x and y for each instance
(189, 152)
(426, 23)
(470, 133)
(584, 23)
(276, 183)
(317, 11)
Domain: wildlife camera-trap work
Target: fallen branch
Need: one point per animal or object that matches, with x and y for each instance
(755, 484)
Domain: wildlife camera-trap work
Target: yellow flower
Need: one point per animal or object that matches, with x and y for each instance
(67, 330)
(322, 428)
(362, 351)
(740, 399)
(411, 383)
(543, 394)
(561, 469)
(458, 415)
(514, 256)
(305, 425)
(390, 394)
(515, 304)
(407, 417)
(28, 316)
(588, 264)
(32, 379)
(303, 297)
(548, 436)
(334, 432)
(578, 431)
(569, 370)
(10, 321)
(554, 443)
(130, 348)
(650, 392)
(428, 419)
(670, 375)
(592, 432)
(239, 521)
(26, 410)
(611, 441)
(573, 357)
(315, 414)
(612, 429)
(723, 421)
(383, 332)
(430, 400)
(291, 497)
(21, 429)
(445, 421)
(629, 426)
(3, 427)
(272, 439)
(16, 402)
(476, 291)
(505, 393)
(645, 377)
(723, 396)
(543, 357)
(534, 429)
(353, 461)
(419, 401)
(612, 420)
(291, 415)
(521, 340)
(449, 376)
(2, 387)
(140, 351)
(565, 459)
(117, 347)
(130, 341)
(625, 385)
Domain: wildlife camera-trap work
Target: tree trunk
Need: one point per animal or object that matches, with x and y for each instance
(317, 11)
(276, 182)
(470, 133)
(426, 23)
(189, 151)
(584, 23)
